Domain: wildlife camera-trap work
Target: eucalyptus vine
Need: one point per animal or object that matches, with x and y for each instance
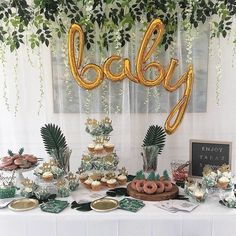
(37, 23)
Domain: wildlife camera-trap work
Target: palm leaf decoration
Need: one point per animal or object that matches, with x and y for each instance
(53, 139)
(155, 136)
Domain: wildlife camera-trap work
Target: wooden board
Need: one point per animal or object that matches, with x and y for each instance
(153, 197)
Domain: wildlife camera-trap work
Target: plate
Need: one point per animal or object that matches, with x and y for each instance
(23, 204)
(104, 204)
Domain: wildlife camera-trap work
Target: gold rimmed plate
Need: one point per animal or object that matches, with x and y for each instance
(104, 204)
(24, 204)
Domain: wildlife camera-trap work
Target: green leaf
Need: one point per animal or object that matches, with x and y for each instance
(53, 138)
(21, 151)
(10, 153)
(155, 136)
(140, 175)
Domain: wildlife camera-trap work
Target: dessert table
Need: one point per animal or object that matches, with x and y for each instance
(208, 219)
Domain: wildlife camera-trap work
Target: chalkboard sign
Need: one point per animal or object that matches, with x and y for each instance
(210, 153)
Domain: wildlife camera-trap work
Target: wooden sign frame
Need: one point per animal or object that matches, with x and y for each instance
(208, 149)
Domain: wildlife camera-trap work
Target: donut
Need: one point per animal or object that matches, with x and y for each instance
(133, 184)
(5, 161)
(11, 167)
(168, 185)
(160, 186)
(30, 158)
(139, 185)
(150, 187)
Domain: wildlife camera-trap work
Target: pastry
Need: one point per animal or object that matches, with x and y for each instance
(91, 147)
(47, 176)
(223, 182)
(108, 147)
(83, 177)
(11, 167)
(5, 161)
(30, 158)
(96, 185)
(98, 149)
(139, 185)
(150, 187)
(19, 161)
(122, 179)
(160, 187)
(104, 181)
(168, 185)
(133, 184)
(111, 183)
(88, 182)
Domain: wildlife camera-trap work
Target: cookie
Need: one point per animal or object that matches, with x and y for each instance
(11, 167)
(5, 161)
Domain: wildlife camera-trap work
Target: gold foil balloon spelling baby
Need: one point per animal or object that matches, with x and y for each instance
(164, 77)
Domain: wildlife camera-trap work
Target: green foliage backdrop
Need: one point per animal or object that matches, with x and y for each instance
(36, 24)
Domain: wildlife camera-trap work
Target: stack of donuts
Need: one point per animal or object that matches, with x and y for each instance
(17, 161)
(151, 185)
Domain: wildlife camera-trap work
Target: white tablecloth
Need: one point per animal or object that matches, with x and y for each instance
(209, 219)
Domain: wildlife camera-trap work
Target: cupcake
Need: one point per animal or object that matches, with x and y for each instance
(111, 183)
(91, 147)
(104, 181)
(83, 177)
(98, 149)
(88, 182)
(108, 147)
(122, 179)
(96, 185)
(223, 182)
(47, 176)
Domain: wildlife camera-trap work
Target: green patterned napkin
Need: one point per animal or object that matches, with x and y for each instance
(54, 206)
(130, 204)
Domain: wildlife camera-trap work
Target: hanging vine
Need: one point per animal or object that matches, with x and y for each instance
(43, 14)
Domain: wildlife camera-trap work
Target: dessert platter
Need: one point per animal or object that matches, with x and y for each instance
(152, 188)
(99, 164)
(16, 161)
(19, 163)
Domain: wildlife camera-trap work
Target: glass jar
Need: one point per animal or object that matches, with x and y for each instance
(180, 170)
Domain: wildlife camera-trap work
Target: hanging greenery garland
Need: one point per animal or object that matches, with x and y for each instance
(43, 18)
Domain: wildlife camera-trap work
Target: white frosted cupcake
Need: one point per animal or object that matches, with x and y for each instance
(98, 149)
(111, 183)
(104, 181)
(88, 182)
(122, 179)
(47, 176)
(223, 182)
(91, 147)
(83, 177)
(109, 147)
(96, 185)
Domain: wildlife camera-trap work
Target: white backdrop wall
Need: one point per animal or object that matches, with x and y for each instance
(23, 130)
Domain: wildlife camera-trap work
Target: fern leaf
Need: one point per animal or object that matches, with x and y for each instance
(53, 138)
